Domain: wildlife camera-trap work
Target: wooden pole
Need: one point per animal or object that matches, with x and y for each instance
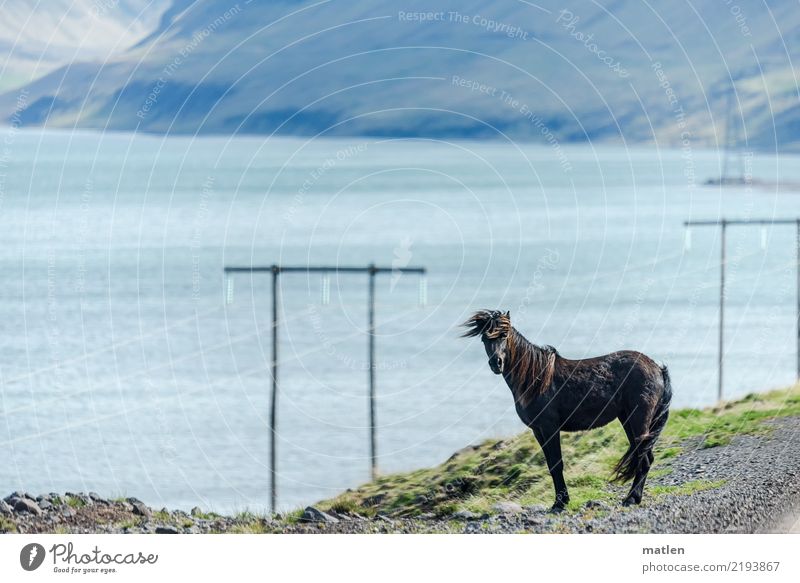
(373, 452)
(728, 122)
(273, 414)
(721, 310)
(276, 270)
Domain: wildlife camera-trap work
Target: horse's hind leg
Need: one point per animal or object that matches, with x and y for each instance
(636, 428)
(637, 490)
(550, 441)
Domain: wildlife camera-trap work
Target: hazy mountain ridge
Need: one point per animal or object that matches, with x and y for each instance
(616, 71)
(39, 37)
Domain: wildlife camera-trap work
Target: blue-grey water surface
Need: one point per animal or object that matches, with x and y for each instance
(123, 370)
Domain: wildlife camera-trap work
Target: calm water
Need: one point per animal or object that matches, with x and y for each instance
(123, 371)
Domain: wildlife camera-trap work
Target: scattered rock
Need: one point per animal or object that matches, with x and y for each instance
(196, 511)
(139, 507)
(385, 518)
(16, 496)
(312, 514)
(754, 491)
(25, 505)
(596, 505)
(507, 508)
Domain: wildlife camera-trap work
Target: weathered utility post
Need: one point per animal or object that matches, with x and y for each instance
(721, 348)
(371, 271)
(373, 440)
(724, 224)
(273, 412)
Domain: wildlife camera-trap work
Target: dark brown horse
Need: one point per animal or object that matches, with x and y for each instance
(554, 394)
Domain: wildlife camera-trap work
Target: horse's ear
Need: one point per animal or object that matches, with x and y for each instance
(508, 314)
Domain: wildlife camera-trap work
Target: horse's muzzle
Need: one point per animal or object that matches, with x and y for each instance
(496, 369)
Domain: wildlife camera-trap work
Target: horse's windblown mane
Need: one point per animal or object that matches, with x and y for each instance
(530, 367)
(490, 323)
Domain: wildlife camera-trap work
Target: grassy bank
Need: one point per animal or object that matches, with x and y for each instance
(480, 476)
(735, 493)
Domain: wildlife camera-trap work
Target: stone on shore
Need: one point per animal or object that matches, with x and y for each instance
(139, 507)
(312, 514)
(507, 508)
(25, 505)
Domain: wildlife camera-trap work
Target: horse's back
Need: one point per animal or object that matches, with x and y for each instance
(592, 392)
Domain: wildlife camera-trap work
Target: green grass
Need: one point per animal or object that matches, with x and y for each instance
(293, 517)
(74, 502)
(7, 525)
(687, 488)
(513, 469)
(254, 527)
(129, 523)
(248, 522)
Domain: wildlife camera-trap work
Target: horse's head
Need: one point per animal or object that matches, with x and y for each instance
(494, 327)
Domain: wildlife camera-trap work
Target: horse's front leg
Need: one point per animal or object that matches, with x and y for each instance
(550, 441)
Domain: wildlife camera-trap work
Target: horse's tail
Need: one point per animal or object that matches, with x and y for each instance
(642, 446)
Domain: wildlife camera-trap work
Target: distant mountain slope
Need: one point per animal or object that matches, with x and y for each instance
(613, 70)
(37, 37)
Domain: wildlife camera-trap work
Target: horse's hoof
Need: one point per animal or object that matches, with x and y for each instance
(630, 501)
(556, 509)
